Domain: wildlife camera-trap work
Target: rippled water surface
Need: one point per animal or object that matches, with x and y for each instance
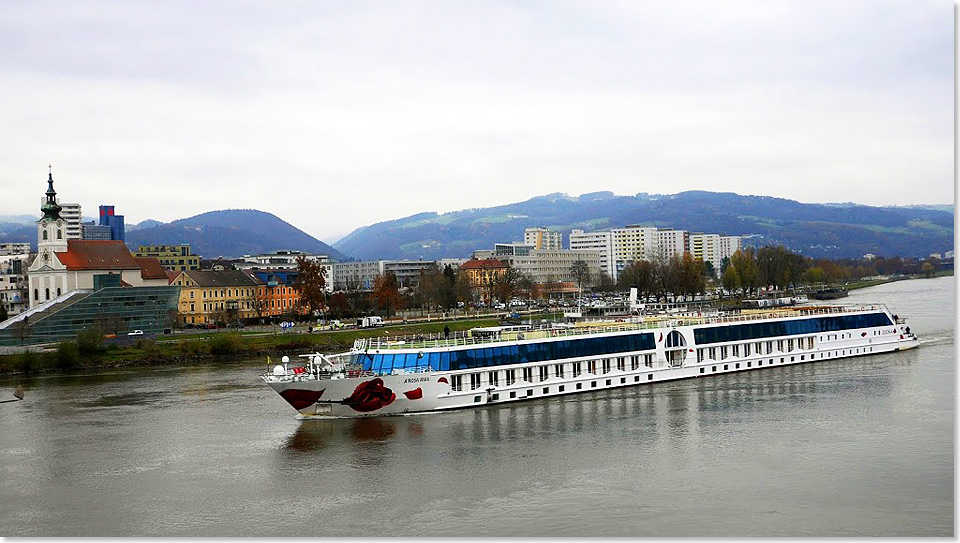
(861, 446)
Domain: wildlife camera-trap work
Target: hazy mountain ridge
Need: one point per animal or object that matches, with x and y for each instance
(232, 233)
(812, 229)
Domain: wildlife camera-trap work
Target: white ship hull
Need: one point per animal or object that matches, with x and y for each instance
(315, 394)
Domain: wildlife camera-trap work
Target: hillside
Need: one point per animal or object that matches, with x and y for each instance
(231, 233)
(816, 230)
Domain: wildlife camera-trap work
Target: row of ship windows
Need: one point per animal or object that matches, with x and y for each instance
(754, 349)
(513, 394)
(543, 373)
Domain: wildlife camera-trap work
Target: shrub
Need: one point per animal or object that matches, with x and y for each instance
(28, 361)
(68, 355)
(225, 344)
(90, 341)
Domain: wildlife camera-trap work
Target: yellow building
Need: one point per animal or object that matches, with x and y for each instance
(209, 297)
(172, 257)
(482, 275)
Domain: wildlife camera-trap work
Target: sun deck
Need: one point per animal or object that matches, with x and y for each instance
(586, 328)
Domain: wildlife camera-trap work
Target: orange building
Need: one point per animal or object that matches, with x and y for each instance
(275, 293)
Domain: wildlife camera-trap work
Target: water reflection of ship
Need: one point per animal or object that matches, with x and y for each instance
(316, 434)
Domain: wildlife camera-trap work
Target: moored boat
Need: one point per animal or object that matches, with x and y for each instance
(396, 375)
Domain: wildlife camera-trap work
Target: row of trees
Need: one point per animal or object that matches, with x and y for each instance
(746, 272)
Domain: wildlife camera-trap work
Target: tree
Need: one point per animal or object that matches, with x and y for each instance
(507, 284)
(580, 273)
(386, 293)
(730, 279)
(927, 269)
(339, 304)
(748, 272)
(311, 285)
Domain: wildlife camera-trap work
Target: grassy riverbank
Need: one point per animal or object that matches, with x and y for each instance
(81, 355)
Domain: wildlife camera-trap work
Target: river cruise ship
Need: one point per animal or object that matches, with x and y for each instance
(396, 375)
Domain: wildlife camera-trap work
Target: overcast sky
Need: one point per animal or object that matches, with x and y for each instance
(337, 114)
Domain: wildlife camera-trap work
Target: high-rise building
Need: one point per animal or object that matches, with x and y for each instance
(115, 222)
(543, 239)
(70, 213)
(598, 242)
(672, 243)
(729, 245)
(706, 247)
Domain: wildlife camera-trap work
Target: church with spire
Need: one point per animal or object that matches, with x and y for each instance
(63, 265)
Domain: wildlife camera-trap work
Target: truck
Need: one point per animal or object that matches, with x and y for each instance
(369, 322)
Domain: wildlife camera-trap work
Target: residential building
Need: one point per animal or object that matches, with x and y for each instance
(172, 257)
(13, 282)
(632, 243)
(361, 275)
(728, 246)
(15, 248)
(551, 270)
(71, 215)
(672, 243)
(279, 260)
(543, 239)
(208, 296)
(706, 247)
(276, 295)
(598, 242)
(482, 274)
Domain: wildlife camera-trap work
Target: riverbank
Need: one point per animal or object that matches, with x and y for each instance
(70, 356)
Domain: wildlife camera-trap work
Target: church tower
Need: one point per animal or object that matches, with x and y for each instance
(51, 228)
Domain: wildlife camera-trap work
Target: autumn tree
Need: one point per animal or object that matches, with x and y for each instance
(339, 304)
(386, 293)
(311, 285)
(580, 273)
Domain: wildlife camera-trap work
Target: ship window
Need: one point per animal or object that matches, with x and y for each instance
(636, 378)
(606, 365)
(579, 386)
(737, 366)
(621, 363)
(544, 373)
(558, 370)
(623, 380)
(474, 381)
(608, 382)
(650, 377)
(725, 367)
(495, 397)
(546, 390)
(634, 362)
(456, 382)
(476, 399)
(494, 377)
(528, 375)
(748, 364)
(513, 394)
(593, 384)
(701, 370)
(714, 368)
(648, 360)
(560, 388)
(529, 392)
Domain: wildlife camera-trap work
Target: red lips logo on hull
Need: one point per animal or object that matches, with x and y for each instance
(300, 399)
(370, 396)
(414, 394)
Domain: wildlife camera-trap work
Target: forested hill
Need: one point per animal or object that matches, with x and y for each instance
(231, 233)
(817, 230)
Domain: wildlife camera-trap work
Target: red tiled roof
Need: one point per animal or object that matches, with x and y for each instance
(482, 264)
(150, 268)
(172, 275)
(97, 255)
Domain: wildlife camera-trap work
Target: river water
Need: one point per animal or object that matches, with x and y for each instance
(861, 447)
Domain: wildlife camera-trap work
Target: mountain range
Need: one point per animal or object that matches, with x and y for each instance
(816, 230)
(835, 230)
(227, 233)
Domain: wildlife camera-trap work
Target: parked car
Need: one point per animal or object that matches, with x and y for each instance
(135, 333)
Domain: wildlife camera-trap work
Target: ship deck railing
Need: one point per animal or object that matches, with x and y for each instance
(586, 328)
